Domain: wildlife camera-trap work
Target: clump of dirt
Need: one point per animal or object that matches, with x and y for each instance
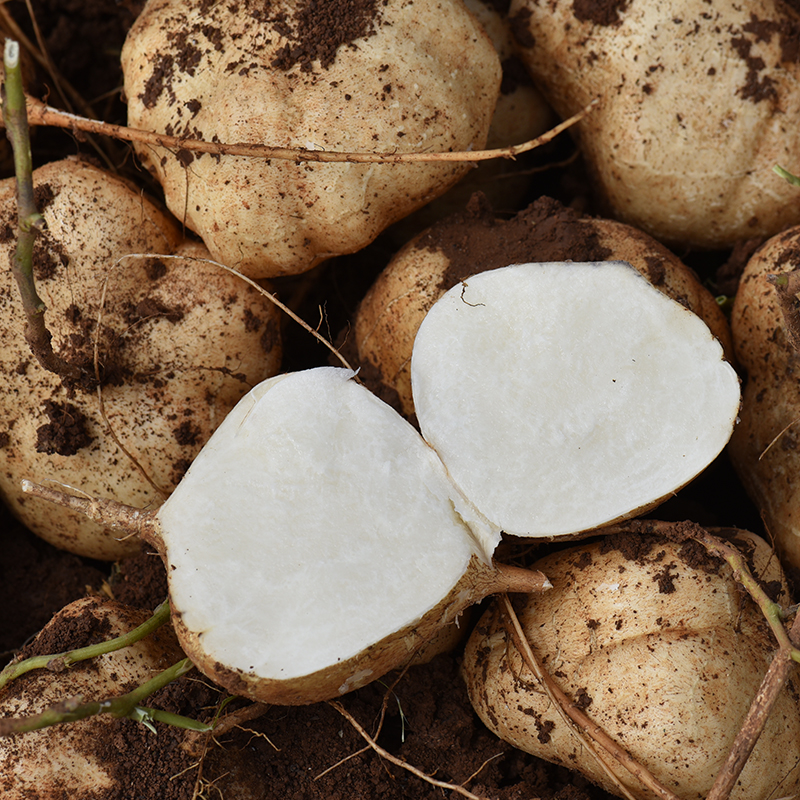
(316, 31)
(66, 432)
(476, 241)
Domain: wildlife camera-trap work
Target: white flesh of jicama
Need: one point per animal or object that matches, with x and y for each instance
(565, 396)
(315, 522)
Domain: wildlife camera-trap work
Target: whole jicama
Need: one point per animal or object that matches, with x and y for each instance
(694, 104)
(521, 114)
(168, 345)
(389, 77)
(655, 642)
(52, 762)
(764, 448)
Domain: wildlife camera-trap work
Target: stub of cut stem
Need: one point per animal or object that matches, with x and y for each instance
(133, 521)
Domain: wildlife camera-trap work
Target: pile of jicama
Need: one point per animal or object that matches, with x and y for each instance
(551, 376)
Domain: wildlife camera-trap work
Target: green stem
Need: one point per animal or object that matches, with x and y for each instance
(15, 118)
(128, 705)
(149, 715)
(62, 661)
(786, 175)
(30, 221)
(773, 612)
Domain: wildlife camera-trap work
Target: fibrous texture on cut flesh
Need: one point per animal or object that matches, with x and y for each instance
(475, 241)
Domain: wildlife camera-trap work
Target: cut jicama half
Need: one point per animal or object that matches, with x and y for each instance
(340, 528)
(565, 396)
(318, 540)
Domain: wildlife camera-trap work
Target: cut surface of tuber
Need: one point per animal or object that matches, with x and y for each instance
(563, 396)
(314, 523)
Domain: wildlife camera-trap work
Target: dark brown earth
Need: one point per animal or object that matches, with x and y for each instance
(287, 753)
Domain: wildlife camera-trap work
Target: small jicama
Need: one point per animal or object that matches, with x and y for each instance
(318, 539)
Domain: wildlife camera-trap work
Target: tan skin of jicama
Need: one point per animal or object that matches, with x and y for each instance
(692, 167)
(763, 448)
(165, 348)
(653, 640)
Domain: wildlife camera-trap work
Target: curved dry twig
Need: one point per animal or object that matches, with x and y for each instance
(757, 716)
(41, 114)
(592, 729)
(399, 761)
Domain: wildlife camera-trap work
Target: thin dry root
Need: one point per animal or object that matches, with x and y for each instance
(399, 761)
(601, 744)
(757, 716)
(41, 114)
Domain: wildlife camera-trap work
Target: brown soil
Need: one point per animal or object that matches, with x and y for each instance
(288, 753)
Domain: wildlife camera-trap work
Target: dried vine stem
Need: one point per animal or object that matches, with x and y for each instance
(58, 662)
(127, 705)
(29, 221)
(776, 676)
(565, 705)
(41, 114)
(753, 725)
